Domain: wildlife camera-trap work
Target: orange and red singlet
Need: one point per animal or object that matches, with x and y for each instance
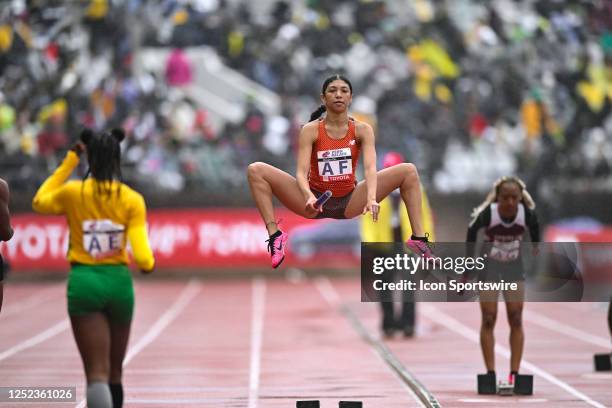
(333, 161)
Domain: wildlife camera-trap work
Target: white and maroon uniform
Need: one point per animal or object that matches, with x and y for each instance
(503, 238)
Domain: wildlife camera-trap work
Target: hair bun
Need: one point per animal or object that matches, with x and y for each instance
(119, 134)
(86, 135)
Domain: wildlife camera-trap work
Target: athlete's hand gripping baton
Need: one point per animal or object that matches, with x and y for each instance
(322, 199)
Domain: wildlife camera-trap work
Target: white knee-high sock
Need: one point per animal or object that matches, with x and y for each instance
(99, 395)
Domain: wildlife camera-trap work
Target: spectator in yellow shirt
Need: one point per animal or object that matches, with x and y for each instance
(394, 226)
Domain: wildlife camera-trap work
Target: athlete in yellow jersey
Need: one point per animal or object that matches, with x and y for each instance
(101, 213)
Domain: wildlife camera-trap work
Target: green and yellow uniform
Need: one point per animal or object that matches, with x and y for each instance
(99, 219)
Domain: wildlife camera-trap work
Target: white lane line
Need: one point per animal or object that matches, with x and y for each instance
(187, 294)
(227, 402)
(191, 390)
(332, 297)
(559, 327)
(329, 293)
(499, 401)
(257, 324)
(279, 389)
(598, 376)
(30, 302)
(454, 325)
(33, 341)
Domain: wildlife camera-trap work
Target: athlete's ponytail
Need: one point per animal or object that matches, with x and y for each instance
(317, 113)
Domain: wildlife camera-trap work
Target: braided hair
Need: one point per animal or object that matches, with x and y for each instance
(319, 111)
(527, 200)
(103, 156)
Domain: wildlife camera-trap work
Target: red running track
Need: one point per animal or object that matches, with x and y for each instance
(267, 343)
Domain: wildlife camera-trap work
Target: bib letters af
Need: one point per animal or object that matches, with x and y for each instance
(335, 164)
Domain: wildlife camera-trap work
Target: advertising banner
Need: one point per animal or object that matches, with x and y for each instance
(192, 238)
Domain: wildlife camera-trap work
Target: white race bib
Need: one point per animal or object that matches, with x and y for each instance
(102, 238)
(505, 251)
(335, 164)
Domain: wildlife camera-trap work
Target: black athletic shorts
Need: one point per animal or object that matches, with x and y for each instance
(334, 207)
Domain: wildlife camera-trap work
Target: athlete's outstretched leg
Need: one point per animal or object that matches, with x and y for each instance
(267, 181)
(403, 176)
(410, 189)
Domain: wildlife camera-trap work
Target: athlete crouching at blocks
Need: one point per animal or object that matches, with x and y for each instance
(328, 151)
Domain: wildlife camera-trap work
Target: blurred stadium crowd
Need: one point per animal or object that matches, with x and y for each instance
(469, 90)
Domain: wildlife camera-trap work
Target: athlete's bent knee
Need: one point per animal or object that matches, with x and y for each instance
(410, 170)
(255, 169)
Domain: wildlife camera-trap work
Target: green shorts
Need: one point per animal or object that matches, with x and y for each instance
(101, 288)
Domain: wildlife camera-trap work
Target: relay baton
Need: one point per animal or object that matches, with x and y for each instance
(322, 199)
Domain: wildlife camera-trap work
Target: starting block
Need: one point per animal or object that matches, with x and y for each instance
(350, 404)
(523, 384)
(308, 404)
(487, 385)
(603, 362)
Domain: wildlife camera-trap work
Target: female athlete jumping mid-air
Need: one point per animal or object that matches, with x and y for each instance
(328, 151)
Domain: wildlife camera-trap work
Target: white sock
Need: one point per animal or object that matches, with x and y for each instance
(99, 395)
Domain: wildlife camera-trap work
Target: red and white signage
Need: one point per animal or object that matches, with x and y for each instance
(179, 239)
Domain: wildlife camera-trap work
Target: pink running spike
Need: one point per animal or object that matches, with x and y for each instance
(276, 247)
(420, 248)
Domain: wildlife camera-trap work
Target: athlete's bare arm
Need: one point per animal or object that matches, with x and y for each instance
(308, 135)
(6, 231)
(365, 135)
